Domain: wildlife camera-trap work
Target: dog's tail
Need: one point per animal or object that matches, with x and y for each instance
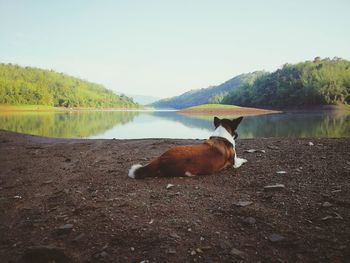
(137, 171)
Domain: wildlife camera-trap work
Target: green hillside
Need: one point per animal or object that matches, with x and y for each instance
(27, 85)
(310, 83)
(213, 94)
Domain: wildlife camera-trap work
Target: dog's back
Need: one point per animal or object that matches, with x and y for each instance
(189, 160)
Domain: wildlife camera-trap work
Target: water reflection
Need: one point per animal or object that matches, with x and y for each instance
(64, 125)
(129, 125)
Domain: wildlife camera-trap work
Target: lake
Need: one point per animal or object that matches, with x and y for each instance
(170, 124)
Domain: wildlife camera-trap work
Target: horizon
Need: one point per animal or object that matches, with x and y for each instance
(165, 49)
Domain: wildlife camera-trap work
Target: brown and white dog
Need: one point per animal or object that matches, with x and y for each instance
(215, 154)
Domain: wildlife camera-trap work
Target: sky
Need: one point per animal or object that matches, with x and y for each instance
(164, 48)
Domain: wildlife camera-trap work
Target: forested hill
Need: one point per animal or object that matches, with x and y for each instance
(310, 83)
(213, 94)
(27, 85)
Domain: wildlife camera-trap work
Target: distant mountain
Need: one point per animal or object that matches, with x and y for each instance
(27, 85)
(213, 94)
(143, 100)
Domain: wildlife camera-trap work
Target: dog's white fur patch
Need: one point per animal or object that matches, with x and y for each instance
(188, 174)
(132, 170)
(238, 161)
(223, 133)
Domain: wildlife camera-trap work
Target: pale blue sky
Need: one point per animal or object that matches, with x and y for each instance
(164, 48)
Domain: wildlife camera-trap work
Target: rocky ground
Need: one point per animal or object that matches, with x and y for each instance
(71, 201)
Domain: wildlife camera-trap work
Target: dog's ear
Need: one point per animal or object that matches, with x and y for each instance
(217, 122)
(236, 122)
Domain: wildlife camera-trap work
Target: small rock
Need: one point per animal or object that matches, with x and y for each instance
(132, 249)
(250, 151)
(276, 238)
(311, 144)
(48, 182)
(326, 218)
(151, 222)
(171, 251)
(326, 204)
(206, 247)
(243, 203)
(65, 229)
(66, 226)
(198, 250)
(275, 186)
(193, 253)
(254, 150)
(249, 220)
(273, 147)
(336, 191)
(281, 172)
(169, 186)
(236, 252)
(174, 235)
(82, 235)
(103, 254)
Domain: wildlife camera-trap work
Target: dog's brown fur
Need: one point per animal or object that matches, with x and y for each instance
(209, 157)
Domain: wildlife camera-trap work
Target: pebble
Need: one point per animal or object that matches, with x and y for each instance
(326, 218)
(243, 203)
(273, 147)
(276, 238)
(311, 144)
(249, 220)
(79, 237)
(326, 204)
(254, 150)
(169, 186)
(198, 250)
(65, 229)
(281, 172)
(66, 226)
(236, 252)
(103, 254)
(171, 251)
(275, 186)
(174, 235)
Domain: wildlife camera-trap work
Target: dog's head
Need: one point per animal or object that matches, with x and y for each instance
(229, 125)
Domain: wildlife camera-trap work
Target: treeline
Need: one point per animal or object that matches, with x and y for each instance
(27, 85)
(310, 83)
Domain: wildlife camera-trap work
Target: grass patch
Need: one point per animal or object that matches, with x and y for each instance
(5, 107)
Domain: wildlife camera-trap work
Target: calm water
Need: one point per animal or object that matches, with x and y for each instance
(160, 124)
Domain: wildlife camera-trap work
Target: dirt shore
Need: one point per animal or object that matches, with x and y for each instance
(71, 201)
(241, 111)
